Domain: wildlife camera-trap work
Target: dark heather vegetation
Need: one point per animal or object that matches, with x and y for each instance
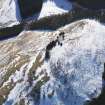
(8, 32)
(57, 21)
(29, 7)
(53, 22)
(91, 4)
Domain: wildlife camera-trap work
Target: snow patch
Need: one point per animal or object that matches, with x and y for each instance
(52, 7)
(9, 13)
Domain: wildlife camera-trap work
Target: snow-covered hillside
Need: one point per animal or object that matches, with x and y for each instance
(52, 7)
(9, 13)
(62, 67)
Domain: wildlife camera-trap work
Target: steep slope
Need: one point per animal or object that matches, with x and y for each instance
(62, 67)
(9, 13)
